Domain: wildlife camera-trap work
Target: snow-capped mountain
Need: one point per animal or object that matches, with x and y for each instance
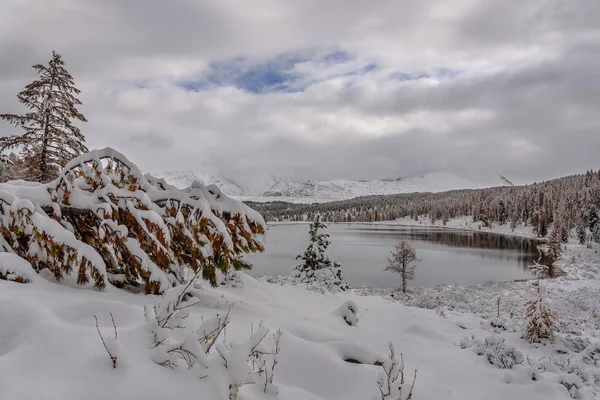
(183, 179)
(286, 189)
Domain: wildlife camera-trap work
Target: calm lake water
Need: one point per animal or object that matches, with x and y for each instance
(447, 256)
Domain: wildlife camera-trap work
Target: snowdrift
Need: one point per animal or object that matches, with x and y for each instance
(102, 220)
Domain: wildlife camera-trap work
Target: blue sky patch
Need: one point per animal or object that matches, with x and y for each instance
(276, 75)
(440, 73)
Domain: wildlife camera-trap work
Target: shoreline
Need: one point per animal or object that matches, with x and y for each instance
(401, 222)
(576, 288)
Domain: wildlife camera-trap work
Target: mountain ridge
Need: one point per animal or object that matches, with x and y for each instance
(286, 189)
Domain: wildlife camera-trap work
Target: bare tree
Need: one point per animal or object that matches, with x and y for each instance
(403, 261)
(50, 140)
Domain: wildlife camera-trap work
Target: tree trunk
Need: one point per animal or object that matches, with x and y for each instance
(43, 156)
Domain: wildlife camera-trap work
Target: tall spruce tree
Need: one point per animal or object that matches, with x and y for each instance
(50, 140)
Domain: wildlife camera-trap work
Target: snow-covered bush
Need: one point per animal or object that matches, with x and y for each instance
(317, 270)
(501, 355)
(441, 311)
(203, 350)
(391, 381)
(469, 342)
(591, 354)
(173, 342)
(103, 220)
(348, 312)
(499, 325)
(250, 362)
(575, 344)
(539, 319)
(572, 383)
(495, 350)
(231, 278)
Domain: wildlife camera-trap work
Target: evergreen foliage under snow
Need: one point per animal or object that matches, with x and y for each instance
(102, 220)
(50, 139)
(317, 270)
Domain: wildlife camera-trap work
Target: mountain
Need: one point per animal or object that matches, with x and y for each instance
(286, 189)
(183, 179)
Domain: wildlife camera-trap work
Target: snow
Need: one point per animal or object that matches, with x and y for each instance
(51, 349)
(333, 345)
(286, 189)
(103, 181)
(14, 267)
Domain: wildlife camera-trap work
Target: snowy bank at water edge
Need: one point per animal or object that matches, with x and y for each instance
(50, 348)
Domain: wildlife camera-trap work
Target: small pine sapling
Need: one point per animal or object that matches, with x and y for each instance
(391, 382)
(539, 317)
(110, 345)
(317, 270)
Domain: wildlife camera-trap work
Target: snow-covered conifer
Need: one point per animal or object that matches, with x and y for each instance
(402, 261)
(102, 220)
(539, 318)
(317, 270)
(554, 243)
(50, 140)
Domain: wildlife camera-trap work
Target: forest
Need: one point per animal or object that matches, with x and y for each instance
(570, 203)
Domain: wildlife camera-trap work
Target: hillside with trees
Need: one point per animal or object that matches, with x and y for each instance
(566, 203)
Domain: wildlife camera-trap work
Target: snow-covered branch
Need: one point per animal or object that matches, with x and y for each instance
(102, 215)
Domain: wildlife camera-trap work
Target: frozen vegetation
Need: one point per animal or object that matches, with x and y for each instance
(274, 339)
(77, 324)
(117, 285)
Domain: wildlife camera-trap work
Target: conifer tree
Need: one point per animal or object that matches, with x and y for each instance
(317, 269)
(554, 242)
(403, 261)
(539, 318)
(50, 140)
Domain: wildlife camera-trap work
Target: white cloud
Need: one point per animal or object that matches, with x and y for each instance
(523, 102)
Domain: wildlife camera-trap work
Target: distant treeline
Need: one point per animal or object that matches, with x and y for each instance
(566, 203)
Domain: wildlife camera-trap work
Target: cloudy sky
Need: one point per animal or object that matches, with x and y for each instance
(324, 89)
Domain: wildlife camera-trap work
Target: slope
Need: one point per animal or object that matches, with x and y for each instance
(49, 347)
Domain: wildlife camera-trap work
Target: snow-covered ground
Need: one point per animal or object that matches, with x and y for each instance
(274, 188)
(50, 349)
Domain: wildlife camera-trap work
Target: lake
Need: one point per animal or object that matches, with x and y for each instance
(448, 256)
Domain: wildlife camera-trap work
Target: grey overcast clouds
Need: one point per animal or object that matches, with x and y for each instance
(324, 88)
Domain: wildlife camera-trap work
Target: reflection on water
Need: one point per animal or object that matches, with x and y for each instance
(447, 256)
